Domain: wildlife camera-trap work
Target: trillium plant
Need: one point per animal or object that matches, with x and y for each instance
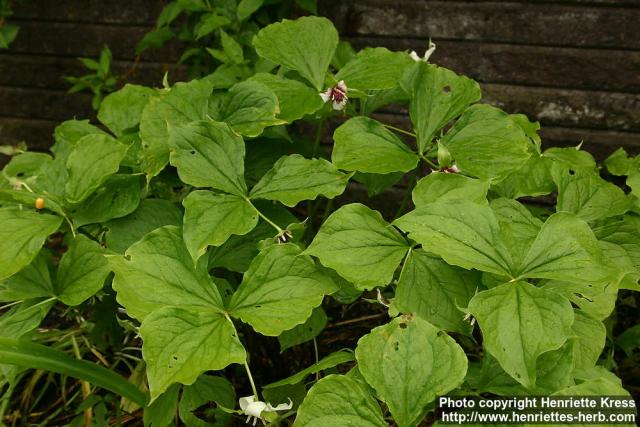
(291, 238)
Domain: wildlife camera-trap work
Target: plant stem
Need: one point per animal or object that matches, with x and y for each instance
(261, 215)
(429, 162)
(400, 130)
(318, 138)
(315, 352)
(246, 364)
(404, 264)
(407, 194)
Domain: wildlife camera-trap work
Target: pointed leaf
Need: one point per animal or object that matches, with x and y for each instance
(82, 271)
(365, 145)
(438, 186)
(437, 96)
(332, 360)
(409, 363)
(434, 290)
(121, 111)
(487, 143)
(179, 344)
(184, 103)
(294, 178)
(248, 107)
(305, 45)
(360, 245)
(158, 271)
(209, 154)
(565, 249)
(339, 401)
(280, 289)
(295, 99)
(93, 159)
(22, 234)
(519, 322)
(211, 218)
(374, 69)
(463, 233)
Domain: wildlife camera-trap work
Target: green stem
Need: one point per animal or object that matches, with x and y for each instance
(404, 264)
(246, 365)
(429, 162)
(407, 195)
(318, 138)
(261, 215)
(400, 130)
(315, 352)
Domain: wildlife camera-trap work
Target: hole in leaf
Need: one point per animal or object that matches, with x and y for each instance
(403, 325)
(193, 151)
(446, 89)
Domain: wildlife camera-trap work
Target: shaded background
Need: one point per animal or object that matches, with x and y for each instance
(574, 65)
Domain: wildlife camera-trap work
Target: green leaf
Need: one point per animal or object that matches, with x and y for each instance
(365, 145)
(295, 99)
(518, 227)
(596, 300)
(158, 271)
(377, 183)
(231, 48)
(211, 218)
(68, 133)
(246, 8)
(25, 165)
(532, 179)
(437, 96)
(519, 322)
(207, 389)
(360, 245)
(305, 45)
(620, 164)
(8, 34)
(117, 197)
(305, 331)
(94, 158)
(463, 233)
(565, 249)
(162, 411)
(339, 401)
(571, 157)
(82, 271)
(121, 111)
(623, 234)
(179, 344)
(33, 281)
(23, 318)
(22, 234)
(237, 253)
(294, 178)
(588, 196)
(434, 290)
(249, 107)
(184, 103)
(154, 39)
(36, 356)
(150, 214)
(487, 143)
(374, 69)
(331, 361)
(438, 186)
(591, 336)
(409, 363)
(280, 290)
(209, 154)
(208, 23)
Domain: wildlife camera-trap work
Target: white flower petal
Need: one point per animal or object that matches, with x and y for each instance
(414, 56)
(342, 86)
(326, 95)
(429, 52)
(280, 407)
(246, 401)
(255, 409)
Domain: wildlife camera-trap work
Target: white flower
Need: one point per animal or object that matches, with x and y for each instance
(337, 94)
(427, 54)
(253, 408)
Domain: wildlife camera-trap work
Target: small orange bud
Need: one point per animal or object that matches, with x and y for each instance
(39, 203)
